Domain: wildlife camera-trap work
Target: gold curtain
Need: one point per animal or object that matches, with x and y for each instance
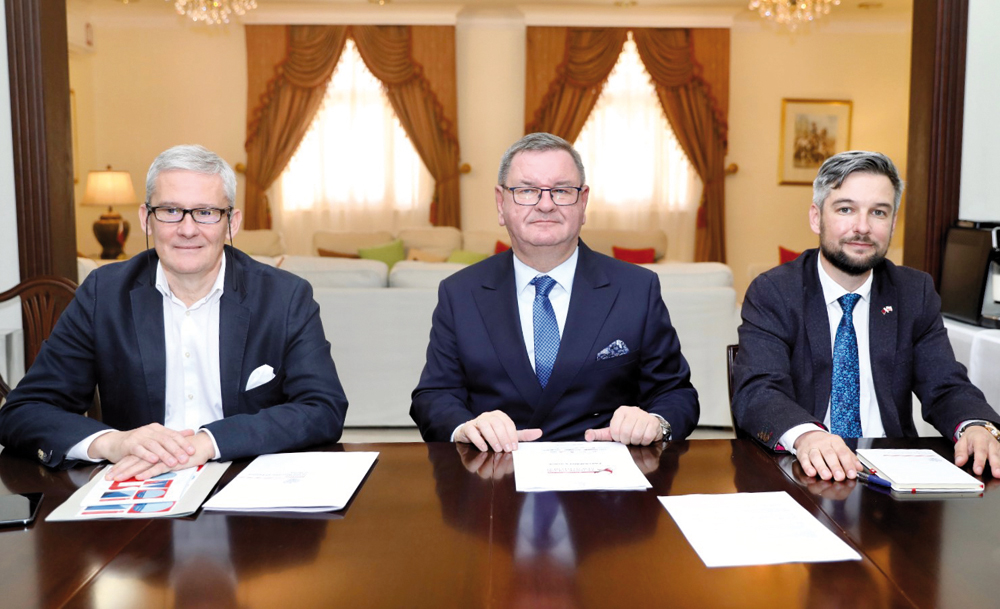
(567, 68)
(417, 66)
(690, 70)
(288, 70)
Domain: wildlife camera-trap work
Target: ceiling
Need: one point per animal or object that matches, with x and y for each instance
(852, 8)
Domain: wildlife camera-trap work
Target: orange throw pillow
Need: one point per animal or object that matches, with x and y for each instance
(333, 254)
(643, 256)
(501, 247)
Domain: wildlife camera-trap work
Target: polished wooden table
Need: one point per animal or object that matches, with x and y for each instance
(438, 525)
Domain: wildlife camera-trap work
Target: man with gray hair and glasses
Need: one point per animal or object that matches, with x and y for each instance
(197, 351)
(833, 343)
(551, 340)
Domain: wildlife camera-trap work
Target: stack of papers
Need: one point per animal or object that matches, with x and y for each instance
(295, 482)
(744, 529)
(917, 470)
(170, 494)
(576, 466)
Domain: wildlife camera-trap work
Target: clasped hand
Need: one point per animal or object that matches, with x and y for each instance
(151, 450)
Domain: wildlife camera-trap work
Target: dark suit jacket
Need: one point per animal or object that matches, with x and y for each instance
(111, 337)
(783, 369)
(477, 362)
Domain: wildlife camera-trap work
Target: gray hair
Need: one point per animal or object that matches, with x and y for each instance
(835, 170)
(539, 142)
(191, 158)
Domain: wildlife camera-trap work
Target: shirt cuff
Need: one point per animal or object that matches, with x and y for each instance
(452, 439)
(791, 436)
(79, 451)
(215, 444)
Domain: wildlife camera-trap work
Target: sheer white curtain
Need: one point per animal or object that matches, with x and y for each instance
(355, 169)
(639, 177)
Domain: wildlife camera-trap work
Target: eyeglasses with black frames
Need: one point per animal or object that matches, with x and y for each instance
(201, 215)
(532, 195)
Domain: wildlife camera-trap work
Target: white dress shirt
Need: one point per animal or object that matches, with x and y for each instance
(871, 419)
(193, 385)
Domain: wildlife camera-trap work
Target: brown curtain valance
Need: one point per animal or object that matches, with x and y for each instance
(289, 68)
(567, 68)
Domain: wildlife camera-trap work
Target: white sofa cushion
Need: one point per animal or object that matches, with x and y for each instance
(678, 275)
(338, 272)
(603, 239)
(413, 274)
(264, 242)
(436, 240)
(349, 242)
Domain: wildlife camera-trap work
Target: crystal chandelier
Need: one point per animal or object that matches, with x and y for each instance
(213, 11)
(792, 12)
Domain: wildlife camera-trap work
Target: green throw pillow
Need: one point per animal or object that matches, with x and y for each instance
(390, 253)
(464, 257)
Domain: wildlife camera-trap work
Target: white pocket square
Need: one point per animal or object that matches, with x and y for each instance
(258, 377)
(615, 349)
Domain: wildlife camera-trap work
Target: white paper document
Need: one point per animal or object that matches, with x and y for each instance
(915, 470)
(576, 466)
(295, 482)
(743, 529)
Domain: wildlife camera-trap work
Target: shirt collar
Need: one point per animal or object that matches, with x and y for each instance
(833, 290)
(562, 274)
(214, 294)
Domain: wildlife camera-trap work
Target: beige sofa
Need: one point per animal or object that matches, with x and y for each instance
(378, 322)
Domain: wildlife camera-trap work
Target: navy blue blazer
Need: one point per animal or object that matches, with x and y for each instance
(783, 369)
(477, 361)
(111, 337)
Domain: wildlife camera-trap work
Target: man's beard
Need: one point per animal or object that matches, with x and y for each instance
(842, 262)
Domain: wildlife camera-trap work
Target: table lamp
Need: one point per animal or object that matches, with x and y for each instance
(110, 188)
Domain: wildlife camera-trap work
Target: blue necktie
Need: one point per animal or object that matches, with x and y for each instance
(546, 329)
(845, 394)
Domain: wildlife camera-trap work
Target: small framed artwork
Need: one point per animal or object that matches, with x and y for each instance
(812, 130)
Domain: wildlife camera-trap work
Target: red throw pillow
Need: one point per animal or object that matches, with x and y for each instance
(786, 255)
(643, 256)
(501, 247)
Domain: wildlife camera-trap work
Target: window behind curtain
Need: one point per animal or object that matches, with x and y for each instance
(355, 168)
(638, 175)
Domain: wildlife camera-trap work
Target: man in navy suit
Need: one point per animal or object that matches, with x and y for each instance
(833, 343)
(198, 351)
(550, 339)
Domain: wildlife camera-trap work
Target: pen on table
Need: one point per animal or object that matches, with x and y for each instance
(873, 479)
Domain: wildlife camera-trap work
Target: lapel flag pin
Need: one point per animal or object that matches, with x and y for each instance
(886, 310)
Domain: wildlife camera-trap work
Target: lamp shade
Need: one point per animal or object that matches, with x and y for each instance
(109, 188)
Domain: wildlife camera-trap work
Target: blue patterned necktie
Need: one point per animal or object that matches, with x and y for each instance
(546, 329)
(845, 394)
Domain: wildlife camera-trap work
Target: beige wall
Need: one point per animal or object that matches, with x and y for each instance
(148, 87)
(867, 66)
(151, 85)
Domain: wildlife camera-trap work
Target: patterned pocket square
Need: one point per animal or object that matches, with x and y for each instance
(615, 349)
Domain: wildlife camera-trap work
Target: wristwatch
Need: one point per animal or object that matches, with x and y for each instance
(666, 429)
(990, 427)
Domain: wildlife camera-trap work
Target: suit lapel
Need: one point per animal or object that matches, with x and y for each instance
(497, 304)
(147, 322)
(882, 333)
(234, 327)
(818, 333)
(591, 301)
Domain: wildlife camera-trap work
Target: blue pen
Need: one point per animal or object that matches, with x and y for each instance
(873, 479)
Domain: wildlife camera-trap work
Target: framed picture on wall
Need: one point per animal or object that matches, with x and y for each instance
(812, 130)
